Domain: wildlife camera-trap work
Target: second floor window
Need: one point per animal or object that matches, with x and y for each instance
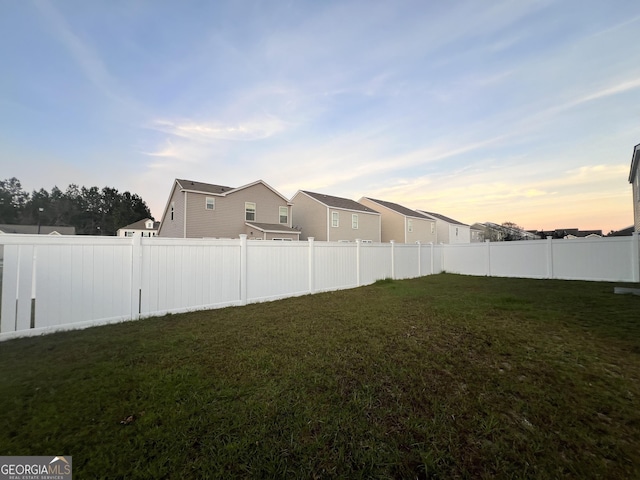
(409, 225)
(335, 219)
(250, 211)
(210, 203)
(433, 228)
(172, 209)
(354, 221)
(284, 215)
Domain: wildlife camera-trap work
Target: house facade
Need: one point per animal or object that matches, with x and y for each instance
(449, 230)
(401, 224)
(334, 219)
(142, 228)
(204, 210)
(634, 179)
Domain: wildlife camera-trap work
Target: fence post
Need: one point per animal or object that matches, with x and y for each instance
(431, 243)
(312, 265)
(136, 277)
(243, 269)
(488, 267)
(635, 256)
(549, 256)
(393, 259)
(358, 252)
(419, 258)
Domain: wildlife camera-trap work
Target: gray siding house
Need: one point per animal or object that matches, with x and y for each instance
(204, 210)
(334, 219)
(401, 224)
(634, 180)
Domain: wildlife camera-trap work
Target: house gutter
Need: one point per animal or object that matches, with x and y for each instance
(184, 232)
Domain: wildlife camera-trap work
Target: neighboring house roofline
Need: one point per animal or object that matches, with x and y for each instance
(141, 225)
(220, 190)
(402, 210)
(437, 216)
(272, 228)
(635, 159)
(337, 203)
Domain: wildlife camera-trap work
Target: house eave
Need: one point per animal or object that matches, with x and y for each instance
(635, 159)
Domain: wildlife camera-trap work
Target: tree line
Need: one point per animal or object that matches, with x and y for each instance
(92, 211)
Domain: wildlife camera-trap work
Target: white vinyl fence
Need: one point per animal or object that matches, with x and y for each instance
(58, 283)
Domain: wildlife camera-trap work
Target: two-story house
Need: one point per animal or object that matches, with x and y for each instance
(634, 180)
(401, 224)
(449, 230)
(142, 228)
(204, 210)
(334, 219)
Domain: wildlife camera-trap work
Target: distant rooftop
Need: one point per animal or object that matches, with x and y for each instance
(338, 202)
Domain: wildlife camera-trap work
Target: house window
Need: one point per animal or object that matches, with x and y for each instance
(354, 221)
(149, 224)
(250, 211)
(210, 203)
(172, 209)
(456, 231)
(409, 225)
(128, 234)
(282, 239)
(284, 215)
(433, 228)
(335, 219)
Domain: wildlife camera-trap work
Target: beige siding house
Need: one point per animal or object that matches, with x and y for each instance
(334, 219)
(634, 179)
(204, 210)
(449, 230)
(401, 224)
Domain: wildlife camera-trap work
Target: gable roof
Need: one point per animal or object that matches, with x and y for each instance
(141, 225)
(339, 202)
(202, 187)
(437, 216)
(400, 209)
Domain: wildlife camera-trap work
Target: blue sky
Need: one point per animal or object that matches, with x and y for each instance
(522, 111)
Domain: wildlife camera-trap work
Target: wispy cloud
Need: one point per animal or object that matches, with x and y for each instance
(252, 129)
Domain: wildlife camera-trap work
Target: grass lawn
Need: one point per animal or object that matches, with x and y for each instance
(445, 376)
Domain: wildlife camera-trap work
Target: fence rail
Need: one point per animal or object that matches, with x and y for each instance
(58, 283)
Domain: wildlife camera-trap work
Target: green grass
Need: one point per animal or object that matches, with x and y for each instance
(440, 377)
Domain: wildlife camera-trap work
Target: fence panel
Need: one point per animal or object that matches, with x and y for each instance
(375, 262)
(406, 262)
(335, 266)
(276, 269)
(593, 259)
(469, 259)
(524, 259)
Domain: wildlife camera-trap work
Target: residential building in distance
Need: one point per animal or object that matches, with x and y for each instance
(204, 210)
(634, 180)
(401, 224)
(334, 219)
(449, 230)
(142, 228)
(37, 229)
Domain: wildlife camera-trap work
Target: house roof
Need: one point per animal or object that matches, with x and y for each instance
(635, 159)
(399, 209)
(33, 229)
(339, 202)
(443, 218)
(203, 187)
(141, 225)
(272, 228)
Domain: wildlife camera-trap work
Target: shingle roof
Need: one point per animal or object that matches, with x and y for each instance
(339, 202)
(202, 187)
(446, 219)
(399, 208)
(272, 227)
(33, 229)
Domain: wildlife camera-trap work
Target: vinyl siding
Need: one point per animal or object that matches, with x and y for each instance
(173, 228)
(393, 224)
(368, 226)
(636, 200)
(311, 216)
(228, 218)
(421, 232)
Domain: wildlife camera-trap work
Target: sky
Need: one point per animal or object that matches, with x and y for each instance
(482, 110)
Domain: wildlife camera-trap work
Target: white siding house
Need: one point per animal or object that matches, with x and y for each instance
(634, 179)
(449, 230)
